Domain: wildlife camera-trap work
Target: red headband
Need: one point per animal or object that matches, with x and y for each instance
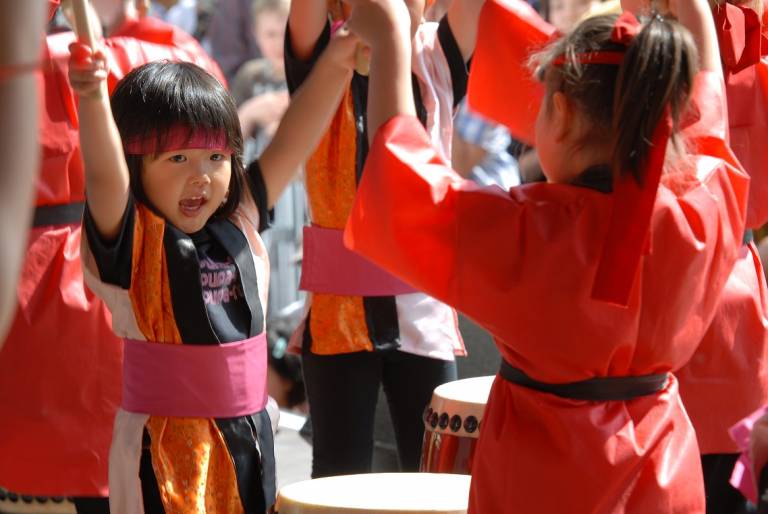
(628, 236)
(625, 30)
(178, 137)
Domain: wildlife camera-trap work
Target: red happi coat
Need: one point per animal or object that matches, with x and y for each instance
(522, 263)
(60, 368)
(727, 378)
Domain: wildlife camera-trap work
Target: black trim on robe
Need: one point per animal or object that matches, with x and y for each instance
(186, 290)
(236, 245)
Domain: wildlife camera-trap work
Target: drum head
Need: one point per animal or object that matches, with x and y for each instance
(384, 493)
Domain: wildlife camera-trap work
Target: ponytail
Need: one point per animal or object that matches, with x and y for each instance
(655, 78)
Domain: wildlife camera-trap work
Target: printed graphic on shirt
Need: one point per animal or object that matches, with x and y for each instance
(219, 282)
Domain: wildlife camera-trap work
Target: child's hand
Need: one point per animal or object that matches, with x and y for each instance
(87, 70)
(377, 21)
(341, 50)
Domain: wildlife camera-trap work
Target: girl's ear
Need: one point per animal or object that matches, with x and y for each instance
(562, 116)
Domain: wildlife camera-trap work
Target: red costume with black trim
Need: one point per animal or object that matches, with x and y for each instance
(60, 368)
(524, 263)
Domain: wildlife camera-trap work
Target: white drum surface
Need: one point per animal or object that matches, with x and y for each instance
(383, 493)
(469, 391)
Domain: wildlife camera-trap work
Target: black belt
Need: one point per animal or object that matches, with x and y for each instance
(749, 237)
(603, 389)
(64, 214)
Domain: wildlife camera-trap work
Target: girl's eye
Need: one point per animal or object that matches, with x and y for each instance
(218, 157)
(178, 158)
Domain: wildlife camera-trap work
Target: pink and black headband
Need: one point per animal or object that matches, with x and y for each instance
(179, 137)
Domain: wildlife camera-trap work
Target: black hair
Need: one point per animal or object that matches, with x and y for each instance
(156, 97)
(624, 102)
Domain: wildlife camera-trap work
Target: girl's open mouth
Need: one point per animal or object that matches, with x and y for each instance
(191, 207)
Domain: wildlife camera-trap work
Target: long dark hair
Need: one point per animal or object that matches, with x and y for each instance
(624, 102)
(158, 96)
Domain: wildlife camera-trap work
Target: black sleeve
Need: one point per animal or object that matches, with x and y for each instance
(113, 258)
(459, 70)
(296, 70)
(259, 192)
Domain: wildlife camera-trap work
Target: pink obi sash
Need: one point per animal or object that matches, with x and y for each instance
(195, 381)
(328, 267)
(746, 472)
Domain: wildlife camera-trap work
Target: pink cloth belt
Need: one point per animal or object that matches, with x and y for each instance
(195, 381)
(328, 267)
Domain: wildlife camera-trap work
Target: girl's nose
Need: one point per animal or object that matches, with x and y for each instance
(200, 175)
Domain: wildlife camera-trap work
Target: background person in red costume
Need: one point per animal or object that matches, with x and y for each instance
(597, 284)
(726, 379)
(60, 368)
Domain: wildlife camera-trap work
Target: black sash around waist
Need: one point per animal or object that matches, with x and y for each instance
(64, 214)
(603, 389)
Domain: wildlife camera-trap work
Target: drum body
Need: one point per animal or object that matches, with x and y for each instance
(12, 503)
(377, 493)
(452, 424)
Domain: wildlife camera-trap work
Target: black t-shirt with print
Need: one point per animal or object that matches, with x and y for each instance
(222, 289)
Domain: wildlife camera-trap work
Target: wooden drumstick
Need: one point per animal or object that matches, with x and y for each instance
(84, 29)
(83, 22)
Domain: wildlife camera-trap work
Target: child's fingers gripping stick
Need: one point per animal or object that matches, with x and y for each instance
(79, 55)
(345, 49)
(87, 69)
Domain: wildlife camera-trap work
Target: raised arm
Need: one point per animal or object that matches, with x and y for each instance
(696, 16)
(305, 24)
(463, 16)
(308, 116)
(385, 26)
(106, 173)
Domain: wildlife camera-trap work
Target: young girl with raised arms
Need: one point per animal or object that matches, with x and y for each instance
(596, 284)
(363, 329)
(172, 223)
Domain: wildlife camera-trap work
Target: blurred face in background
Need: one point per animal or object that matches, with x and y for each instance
(269, 31)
